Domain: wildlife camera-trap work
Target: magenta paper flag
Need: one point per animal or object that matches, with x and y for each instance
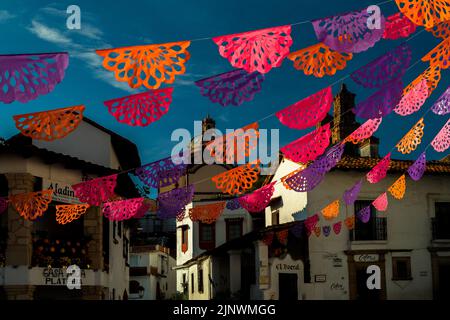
(398, 26)
(348, 32)
(308, 147)
(388, 67)
(122, 209)
(141, 109)
(172, 203)
(3, 204)
(307, 112)
(442, 105)
(231, 88)
(24, 77)
(364, 214)
(258, 200)
(366, 130)
(96, 191)
(337, 227)
(381, 102)
(417, 169)
(309, 178)
(310, 223)
(441, 142)
(259, 50)
(140, 213)
(381, 203)
(379, 172)
(413, 99)
(351, 194)
(161, 173)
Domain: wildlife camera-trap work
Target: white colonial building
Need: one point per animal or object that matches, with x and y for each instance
(34, 254)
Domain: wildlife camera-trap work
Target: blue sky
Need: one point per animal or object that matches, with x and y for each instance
(40, 26)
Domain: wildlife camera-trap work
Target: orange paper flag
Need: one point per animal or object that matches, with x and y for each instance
(31, 205)
(238, 180)
(70, 212)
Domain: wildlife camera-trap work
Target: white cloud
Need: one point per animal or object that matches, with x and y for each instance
(5, 16)
(90, 31)
(49, 34)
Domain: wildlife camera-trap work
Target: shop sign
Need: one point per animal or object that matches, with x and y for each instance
(366, 257)
(62, 192)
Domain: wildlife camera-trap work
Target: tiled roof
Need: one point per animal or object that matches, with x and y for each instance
(366, 163)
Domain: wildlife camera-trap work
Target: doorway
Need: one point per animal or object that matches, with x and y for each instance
(362, 291)
(444, 282)
(287, 286)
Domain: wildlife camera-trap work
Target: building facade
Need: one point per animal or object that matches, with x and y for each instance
(35, 254)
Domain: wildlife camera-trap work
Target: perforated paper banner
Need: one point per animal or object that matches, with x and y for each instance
(311, 222)
(398, 26)
(350, 222)
(161, 173)
(31, 205)
(363, 215)
(442, 105)
(237, 180)
(282, 236)
(412, 139)
(172, 203)
(49, 125)
(71, 212)
(207, 213)
(231, 88)
(141, 109)
(379, 172)
(307, 112)
(382, 102)
(366, 130)
(24, 77)
(309, 178)
(432, 74)
(413, 100)
(258, 200)
(326, 230)
(319, 60)
(331, 211)
(348, 32)
(268, 238)
(381, 203)
(308, 147)
(297, 230)
(441, 141)
(351, 194)
(417, 169)
(337, 227)
(425, 12)
(96, 191)
(259, 50)
(440, 55)
(398, 188)
(441, 30)
(148, 65)
(122, 209)
(233, 204)
(388, 67)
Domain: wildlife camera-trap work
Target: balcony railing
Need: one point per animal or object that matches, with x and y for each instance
(374, 230)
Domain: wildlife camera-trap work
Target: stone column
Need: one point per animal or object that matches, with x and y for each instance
(93, 226)
(235, 271)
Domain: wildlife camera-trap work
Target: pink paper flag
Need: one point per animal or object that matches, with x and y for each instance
(381, 203)
(122, 209)
(413, 99)
(441, 142)
(96, 191)
(379, 172)
(258, 200)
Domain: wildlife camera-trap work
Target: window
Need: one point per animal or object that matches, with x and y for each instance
(441, 222)
(401, 268)
(275, 217)
(374, 229)
(234, 228)
(184, 284)
(192, 283)
(207, 236)
(184, 238)
(200, 280)
(119, 229)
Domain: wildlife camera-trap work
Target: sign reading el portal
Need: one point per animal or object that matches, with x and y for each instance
(62, 192)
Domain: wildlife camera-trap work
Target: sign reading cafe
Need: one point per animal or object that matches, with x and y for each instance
(62, 192)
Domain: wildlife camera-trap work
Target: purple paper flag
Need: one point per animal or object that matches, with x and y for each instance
(297, 230)
(24, 77)
(233, 204)
(442, 105)
(173, 202)
(351, 194)
(417, 169)
(364, 214)
(326, 230)
(384, 69)
(382, 102)
(349, 32)
(309, 178)
(161, 173)
(232, 87)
